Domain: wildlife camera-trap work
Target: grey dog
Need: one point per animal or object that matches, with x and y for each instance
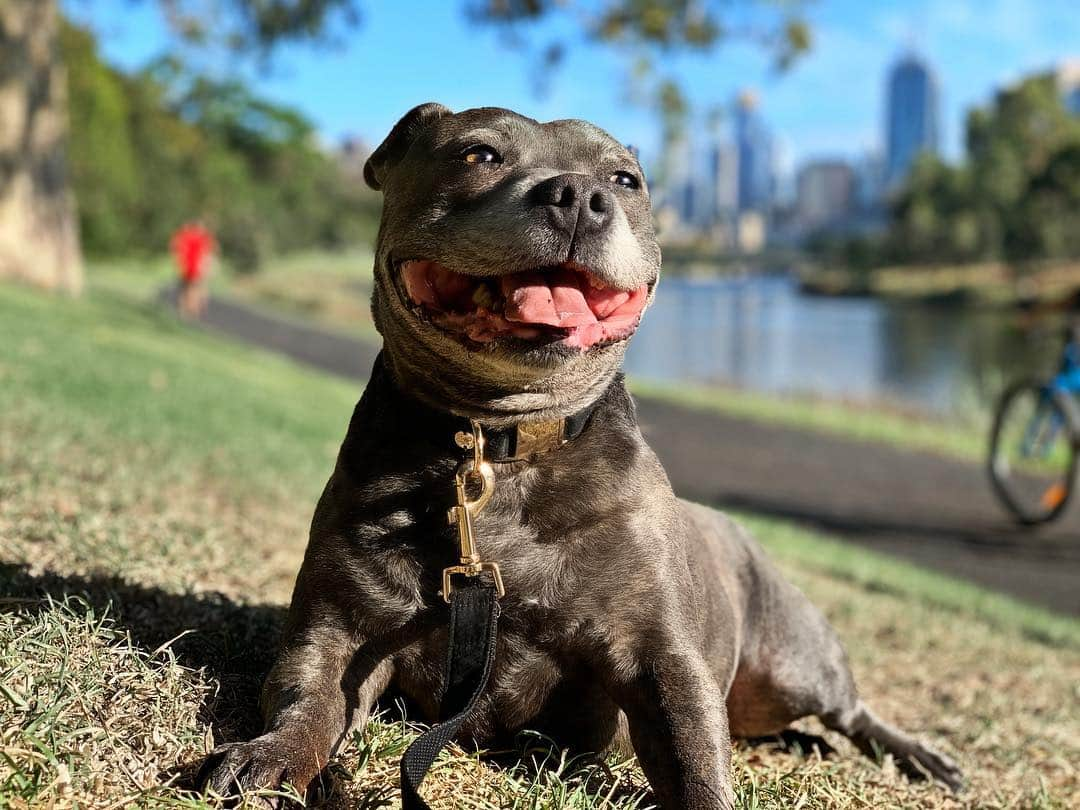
(514, 260)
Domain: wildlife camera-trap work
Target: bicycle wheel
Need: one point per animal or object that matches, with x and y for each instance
(1033, 451)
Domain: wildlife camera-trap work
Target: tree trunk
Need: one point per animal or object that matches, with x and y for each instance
(39, 238)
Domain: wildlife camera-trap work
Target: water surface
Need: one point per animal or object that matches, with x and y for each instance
(760, 332)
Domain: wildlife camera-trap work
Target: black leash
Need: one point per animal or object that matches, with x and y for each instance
(474, 616)
(473, 586)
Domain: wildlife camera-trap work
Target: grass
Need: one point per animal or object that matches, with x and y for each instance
(967, 440)
(987, 283)
(155, 491)
(330, 289)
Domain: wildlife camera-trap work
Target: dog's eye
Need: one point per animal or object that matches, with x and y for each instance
(480, 154)
(625, 179)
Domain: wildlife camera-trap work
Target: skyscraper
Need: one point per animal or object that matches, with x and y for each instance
(753, 145)
(826, 193)
(723, 177)
(1068, 79)
(912, 117)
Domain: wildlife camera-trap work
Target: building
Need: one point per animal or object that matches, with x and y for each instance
(870, 182)
(722, 182)
(826, 195)
(717, 177)
(1068, 80)
(679, 195)
(753, 145)
(911, 125)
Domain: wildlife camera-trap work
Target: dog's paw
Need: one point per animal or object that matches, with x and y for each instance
(256, 770)
(923, 762)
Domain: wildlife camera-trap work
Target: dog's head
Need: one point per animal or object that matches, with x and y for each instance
(514, 258)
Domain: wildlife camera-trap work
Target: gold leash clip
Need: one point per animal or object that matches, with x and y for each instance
(461, 515)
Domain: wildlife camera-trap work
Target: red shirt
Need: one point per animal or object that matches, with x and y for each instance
(192, 246)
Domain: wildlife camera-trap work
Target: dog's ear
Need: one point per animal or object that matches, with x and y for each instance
(397, 143)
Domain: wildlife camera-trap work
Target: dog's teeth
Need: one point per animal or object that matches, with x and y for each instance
(483, 297)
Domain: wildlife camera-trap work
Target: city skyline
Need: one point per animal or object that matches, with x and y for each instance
(830, 104)
(726, 184)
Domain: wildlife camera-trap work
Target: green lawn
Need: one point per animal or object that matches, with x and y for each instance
(966, 439)
(155, 488)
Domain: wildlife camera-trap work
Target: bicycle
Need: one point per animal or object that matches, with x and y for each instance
(1035, 442)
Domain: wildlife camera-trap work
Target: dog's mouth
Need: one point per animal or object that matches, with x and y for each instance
(564, 303)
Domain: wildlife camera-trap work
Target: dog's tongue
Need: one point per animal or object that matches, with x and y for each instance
(553, 298)
(557, 298)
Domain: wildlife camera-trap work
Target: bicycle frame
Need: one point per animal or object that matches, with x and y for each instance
(1068, 376)
(1066, 381)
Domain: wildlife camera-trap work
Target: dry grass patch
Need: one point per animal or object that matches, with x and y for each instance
(330, 289)
(89, 716)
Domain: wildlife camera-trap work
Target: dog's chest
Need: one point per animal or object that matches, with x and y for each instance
(536, 666)
(541, 540)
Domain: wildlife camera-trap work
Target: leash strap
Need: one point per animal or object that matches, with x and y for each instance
(474, 616)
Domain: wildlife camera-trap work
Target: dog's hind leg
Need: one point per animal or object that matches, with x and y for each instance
(874, 737)
(793, 665)
(814, 679)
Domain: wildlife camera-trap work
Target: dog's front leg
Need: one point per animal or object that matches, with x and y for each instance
(679, 727)
(322, 686)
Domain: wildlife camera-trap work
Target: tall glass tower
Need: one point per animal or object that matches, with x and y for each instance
(912, 117)
(753, 145)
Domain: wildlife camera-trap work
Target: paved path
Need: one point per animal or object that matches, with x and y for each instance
(932, 510)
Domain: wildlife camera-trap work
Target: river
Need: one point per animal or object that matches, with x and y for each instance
(760, 332)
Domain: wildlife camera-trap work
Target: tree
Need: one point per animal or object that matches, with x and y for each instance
(165, 144)
(38, 233)
(1017, 195)
(39, 241)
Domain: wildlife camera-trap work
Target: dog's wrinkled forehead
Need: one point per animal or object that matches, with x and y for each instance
(431, 132)
(566, 145)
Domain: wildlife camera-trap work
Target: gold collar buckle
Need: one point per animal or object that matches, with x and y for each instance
(534, 438)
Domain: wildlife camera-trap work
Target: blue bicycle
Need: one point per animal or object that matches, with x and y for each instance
(1033, 447)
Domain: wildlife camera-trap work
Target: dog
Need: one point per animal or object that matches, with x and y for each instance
(514, 261)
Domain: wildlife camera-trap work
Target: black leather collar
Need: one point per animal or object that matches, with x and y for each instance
(518, 442)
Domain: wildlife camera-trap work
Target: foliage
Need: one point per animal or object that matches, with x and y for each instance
(1016, 197)
(255, 25)
(665, 24)
(152, 149)
(650, 32)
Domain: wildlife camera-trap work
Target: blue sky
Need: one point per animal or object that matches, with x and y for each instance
(829, 104)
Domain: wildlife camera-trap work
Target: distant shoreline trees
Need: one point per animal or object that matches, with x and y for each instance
(1015, 198)
(154, 148)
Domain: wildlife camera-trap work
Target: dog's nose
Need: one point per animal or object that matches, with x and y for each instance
(576, 202)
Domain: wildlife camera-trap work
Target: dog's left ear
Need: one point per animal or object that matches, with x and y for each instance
(397, 143)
